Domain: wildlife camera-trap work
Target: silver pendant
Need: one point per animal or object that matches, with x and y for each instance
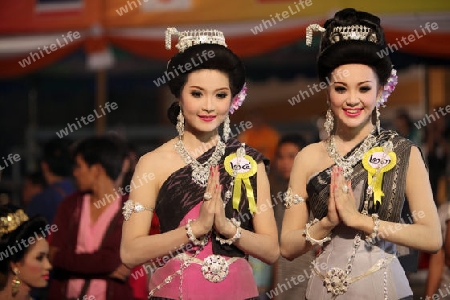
(200, 175)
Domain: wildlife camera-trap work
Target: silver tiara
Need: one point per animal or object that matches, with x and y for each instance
(189, 38)
(353, 32)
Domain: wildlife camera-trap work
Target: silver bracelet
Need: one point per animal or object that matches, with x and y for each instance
(371, 239)
(312, 240)
(192, 237)
(235, 237)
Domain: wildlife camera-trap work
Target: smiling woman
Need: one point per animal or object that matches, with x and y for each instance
(207, 188)
(22, 266)
(347, 191)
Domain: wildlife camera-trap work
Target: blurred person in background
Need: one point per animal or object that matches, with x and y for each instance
(438, 279)
(56, 166)
(133, 158)
(22, 266)
(260, 136)
(33, 184)
(287, 150)
(85, 249)
(436, 151)
(404, 125)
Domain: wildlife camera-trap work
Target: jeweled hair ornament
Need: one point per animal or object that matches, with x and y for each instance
(238, 99)
(13, 220)
(353, 32)
(310, 30)
(190, 38)
(388, 88)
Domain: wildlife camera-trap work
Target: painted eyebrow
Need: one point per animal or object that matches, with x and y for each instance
(202, 89)
(359, 83)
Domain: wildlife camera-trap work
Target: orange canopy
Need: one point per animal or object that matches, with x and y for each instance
(252, 27)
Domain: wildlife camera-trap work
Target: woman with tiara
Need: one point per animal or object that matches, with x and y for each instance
(24, 253)
(210, 192)
(346, 194)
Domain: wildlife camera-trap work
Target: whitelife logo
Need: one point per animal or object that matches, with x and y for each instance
(86, 120)
(266, 24)
(68, 38)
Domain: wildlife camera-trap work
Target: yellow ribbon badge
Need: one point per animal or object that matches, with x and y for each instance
(377, 161)
(242, 168)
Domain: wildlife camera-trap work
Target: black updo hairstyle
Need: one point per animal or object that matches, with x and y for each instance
(335, 54)
(27, 229)
(224, 60)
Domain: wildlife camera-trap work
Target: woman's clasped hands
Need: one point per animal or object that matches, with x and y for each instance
(212, 210)
(342, 202)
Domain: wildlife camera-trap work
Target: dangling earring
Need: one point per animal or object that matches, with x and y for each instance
(378, 119)
(15, 282)
(180, 124)
(226, 128)
(329, 122)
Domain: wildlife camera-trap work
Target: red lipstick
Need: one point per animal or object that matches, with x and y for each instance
(353, 112)
(207, 118)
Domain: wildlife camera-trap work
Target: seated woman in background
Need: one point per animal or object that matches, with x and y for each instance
(24, 253)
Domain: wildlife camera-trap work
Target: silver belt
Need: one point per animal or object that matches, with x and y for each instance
(214, 267)
(337, 282)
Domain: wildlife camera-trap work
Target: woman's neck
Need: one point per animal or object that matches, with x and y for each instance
(199, 143)
(349, 137)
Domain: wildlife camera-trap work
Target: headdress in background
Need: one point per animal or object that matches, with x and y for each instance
(10, 222)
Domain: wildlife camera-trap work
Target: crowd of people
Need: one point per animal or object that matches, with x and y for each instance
(204, 217)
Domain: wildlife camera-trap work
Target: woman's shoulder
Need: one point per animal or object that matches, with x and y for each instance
(311, 158)
(404, 146)
(159, 155)
(161, 161)
(396, 138)
(312, 151)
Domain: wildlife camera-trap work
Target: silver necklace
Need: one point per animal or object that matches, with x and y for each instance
(347, 163)
(200, 172)
(336, 279)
